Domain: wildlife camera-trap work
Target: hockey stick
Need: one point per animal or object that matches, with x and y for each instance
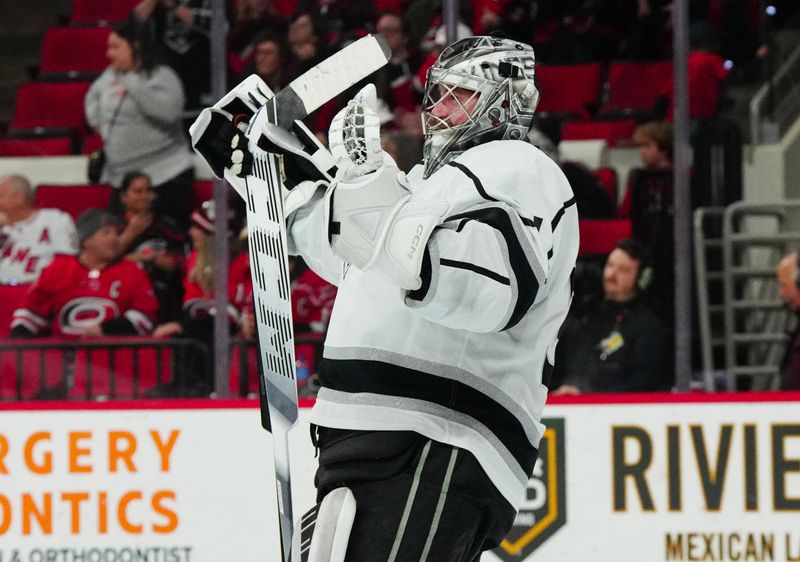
(269, 255)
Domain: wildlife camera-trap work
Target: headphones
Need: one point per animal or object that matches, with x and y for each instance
(645, 277)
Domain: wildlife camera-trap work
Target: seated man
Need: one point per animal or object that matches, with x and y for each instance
(92, 294)
(619, 346)
(29, 237)
(789, 289)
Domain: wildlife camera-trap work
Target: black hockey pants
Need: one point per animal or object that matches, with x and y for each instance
(417, 499)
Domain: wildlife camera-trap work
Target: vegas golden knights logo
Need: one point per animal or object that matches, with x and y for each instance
(543, 510)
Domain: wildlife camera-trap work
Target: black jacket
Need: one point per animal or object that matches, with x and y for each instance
(615, 347)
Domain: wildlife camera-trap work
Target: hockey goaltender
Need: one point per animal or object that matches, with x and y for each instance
(452, 285)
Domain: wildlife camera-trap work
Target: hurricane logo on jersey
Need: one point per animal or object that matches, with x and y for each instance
(84, 312)
(543, 509)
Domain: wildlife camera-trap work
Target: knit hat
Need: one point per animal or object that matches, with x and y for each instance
(203, 217)
(92, 220)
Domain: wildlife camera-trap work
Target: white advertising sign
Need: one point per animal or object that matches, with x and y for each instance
(641, 479)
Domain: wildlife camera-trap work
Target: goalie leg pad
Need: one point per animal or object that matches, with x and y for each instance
(325, 530)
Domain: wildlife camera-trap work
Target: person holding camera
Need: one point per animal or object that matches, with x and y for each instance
(135, 105)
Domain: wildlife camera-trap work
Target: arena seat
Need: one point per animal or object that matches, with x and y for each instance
(10, 297)
(127, 372)
(636, 86)
(73, 199)
(571, 88)
(73, 52)
(600, 236)
(91, 143)
(44, 146)
(93, 12)
(608, 177)
(26, 373)
(46, 106)
(615, 133)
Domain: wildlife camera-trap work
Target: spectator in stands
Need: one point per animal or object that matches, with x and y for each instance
(135, 105)
(654, 140)
(251, 19)
(154, 241)
(199, 306)
(92, 294)
(181, 29)
(619, 346)
(29, 237)
(788, 274)
(707, 73)
(399, 72)
(269, 61)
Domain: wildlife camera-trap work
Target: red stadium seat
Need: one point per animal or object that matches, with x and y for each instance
(24, 374)
(10, 297)
(608, 177)
(600, 236)
(50, 105)
(74, 51)
(91, 143)
(127, 372)
(613, 132)
(636, 86)
(45, 146)
(73, 199)
(91, 12)
(569, 89)
(83, 373)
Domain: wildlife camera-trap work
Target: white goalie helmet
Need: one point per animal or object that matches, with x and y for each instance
(480, 89)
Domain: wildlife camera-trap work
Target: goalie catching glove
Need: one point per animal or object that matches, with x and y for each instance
(373, 222)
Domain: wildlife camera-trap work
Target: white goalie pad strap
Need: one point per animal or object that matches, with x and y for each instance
(324, 532)
(300, 195)
(374, 223)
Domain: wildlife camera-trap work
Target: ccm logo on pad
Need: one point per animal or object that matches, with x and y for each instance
(415, 241)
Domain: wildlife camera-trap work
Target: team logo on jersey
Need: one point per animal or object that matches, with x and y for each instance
(81, 313)
(543, 510)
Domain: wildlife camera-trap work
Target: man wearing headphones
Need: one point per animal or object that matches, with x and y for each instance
(788, 273)
(620, 344)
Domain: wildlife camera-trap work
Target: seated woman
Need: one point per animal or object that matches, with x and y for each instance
(153, 240)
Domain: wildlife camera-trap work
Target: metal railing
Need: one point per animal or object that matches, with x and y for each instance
(776, 105)
(743, 323)
(99, 369)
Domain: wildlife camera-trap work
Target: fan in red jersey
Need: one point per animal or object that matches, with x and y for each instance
(92, 294)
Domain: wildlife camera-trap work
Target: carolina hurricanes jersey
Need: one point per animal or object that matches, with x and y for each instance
(69, 297)
(28, 246)
(464, 360)
(197, 303)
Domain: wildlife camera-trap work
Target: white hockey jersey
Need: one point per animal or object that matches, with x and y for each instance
(462, 359)
(28, 246)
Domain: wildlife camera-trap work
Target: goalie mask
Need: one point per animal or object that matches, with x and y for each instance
(480, 89)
